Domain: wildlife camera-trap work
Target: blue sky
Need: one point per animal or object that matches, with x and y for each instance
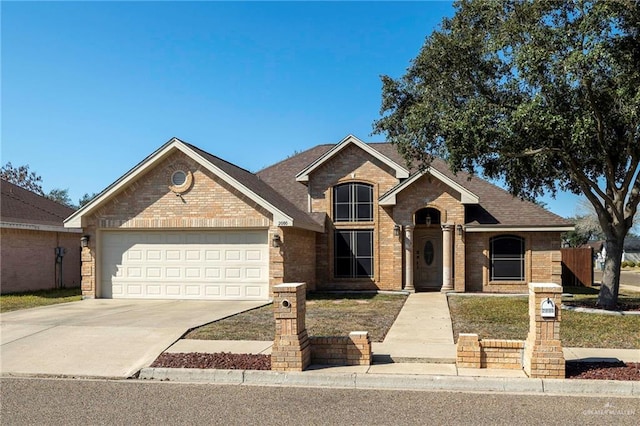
(91, 88)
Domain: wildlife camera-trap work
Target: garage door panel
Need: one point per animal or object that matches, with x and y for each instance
(185, 265)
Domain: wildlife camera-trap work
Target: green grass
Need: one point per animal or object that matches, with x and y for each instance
(498, 317)
(328, 314)
(33, 299)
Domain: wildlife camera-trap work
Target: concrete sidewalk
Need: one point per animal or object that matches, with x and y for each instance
(420, 340)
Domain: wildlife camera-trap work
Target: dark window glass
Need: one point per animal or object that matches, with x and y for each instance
(353, 254)
(428, 253)
(507, 258)
(353, 202)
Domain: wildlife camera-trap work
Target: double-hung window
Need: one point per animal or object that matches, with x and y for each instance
(353, 202)
(507, 258)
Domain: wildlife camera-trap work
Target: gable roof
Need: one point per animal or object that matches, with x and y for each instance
(24, 209)
(284, 212)
(466, 196)
(303, 176)
(496, 209)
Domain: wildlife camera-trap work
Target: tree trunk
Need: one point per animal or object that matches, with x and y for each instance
(608, 296)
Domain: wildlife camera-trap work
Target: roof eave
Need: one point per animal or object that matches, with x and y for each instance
(517, 228)
(75, 220)
(400, 172)
(466, 196)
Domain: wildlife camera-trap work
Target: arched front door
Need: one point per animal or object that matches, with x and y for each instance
(427, 254)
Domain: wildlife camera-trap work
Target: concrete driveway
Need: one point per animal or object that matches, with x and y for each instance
(101, 337)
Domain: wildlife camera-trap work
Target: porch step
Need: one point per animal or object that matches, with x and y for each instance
(414, 352)
(390, 359)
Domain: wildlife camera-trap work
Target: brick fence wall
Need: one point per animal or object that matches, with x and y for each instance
(354, 349)
(540, 355)
(488, 353)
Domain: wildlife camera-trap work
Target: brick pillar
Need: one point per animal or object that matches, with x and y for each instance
(408, 258)
(468, 354)
(87, 273)
(447, 259)
(291, 349)
(543, 356)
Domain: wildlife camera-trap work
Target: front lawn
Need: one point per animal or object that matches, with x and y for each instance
(328, 314)
(506, 317)
(33, 299)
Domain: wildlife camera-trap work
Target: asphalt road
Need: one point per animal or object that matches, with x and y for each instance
(627, 278)
(132, 402)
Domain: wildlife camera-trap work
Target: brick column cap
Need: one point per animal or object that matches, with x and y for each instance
(545, 288)
(288, 286)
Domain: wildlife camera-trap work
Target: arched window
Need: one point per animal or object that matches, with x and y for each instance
(353, 202)
(507, 258)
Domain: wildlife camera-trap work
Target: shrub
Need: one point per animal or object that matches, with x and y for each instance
(624, 264)
(631, 263)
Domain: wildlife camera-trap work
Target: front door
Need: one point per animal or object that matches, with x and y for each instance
(427, 253)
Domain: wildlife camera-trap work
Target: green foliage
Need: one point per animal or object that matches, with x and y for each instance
(86, 198)
(624, 264)
(23, 177)
(60, 196)
(544, 95)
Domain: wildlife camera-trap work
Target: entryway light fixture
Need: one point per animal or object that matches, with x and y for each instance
(396, 230)
(459, 229)
(428, 220)
(84, 241)
(276, 241)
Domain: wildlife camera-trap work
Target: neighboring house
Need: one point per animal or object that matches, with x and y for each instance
(37, 251)
(631, 249)
(185, 224)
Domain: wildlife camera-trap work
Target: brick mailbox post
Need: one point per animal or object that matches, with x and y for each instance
(291, 349)
(543, 357)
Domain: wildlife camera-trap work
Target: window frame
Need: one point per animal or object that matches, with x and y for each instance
(507, 259)
(352, 203)
(356, 258)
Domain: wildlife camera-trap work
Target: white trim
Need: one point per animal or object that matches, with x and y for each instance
(466, 196)
(279, 217)
(502, 228)
(39, 227)
(303, 176)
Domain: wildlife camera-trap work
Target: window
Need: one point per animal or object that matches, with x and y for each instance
(507, 258)
(353, 202)
(353, 254)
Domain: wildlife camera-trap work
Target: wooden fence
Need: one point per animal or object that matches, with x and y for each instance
(577, 266)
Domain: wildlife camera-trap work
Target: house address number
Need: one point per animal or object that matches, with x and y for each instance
(283, 223)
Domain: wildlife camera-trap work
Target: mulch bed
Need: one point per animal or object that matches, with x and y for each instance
(603, 370)
(221, 360)
(228, 361)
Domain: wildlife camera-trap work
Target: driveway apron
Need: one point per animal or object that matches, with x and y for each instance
(101, 337)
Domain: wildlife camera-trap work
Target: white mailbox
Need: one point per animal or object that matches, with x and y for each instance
(548, 309)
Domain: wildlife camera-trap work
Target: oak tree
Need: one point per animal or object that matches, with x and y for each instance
(544, 95)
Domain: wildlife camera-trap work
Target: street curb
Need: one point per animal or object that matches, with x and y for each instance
(394, 381)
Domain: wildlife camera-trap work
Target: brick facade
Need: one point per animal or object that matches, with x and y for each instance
(28, 259)
(210, 204)
(303, 255)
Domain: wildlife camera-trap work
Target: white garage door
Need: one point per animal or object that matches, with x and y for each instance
(222, 265)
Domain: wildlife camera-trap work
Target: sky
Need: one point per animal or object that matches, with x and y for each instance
(89, 89)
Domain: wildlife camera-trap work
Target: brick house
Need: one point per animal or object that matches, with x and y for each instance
(36, 251)
(185, 224)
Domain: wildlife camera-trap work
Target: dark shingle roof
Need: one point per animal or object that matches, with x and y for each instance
(497, 206)
(22, 206)
(255, 184)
